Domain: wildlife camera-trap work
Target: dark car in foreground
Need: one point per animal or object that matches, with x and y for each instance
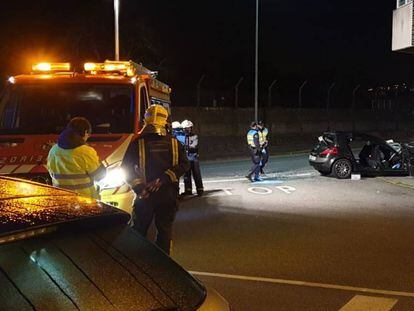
(343, 153)
(60, 251)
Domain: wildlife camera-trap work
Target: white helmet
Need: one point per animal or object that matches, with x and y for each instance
(176, 125)
(186, 124)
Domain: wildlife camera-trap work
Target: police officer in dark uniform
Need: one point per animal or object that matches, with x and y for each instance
(191, 147)
(253, 142)
(153, 163)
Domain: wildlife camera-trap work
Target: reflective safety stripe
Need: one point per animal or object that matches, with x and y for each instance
(170, 248)
(136, 182)
(76, 187)
(141, 146)
(99, 173)
(69, 176)
(172, 175)
(250, 138)
(262, 138)
(174, 145)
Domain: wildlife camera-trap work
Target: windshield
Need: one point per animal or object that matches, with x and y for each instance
(47, 108)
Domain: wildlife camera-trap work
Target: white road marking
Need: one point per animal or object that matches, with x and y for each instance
(223, 180)
(217, 192)
(276, 175)
(302, 175)
(306, 284)
(227, 191)
(366, 303)
(286, 189)
(260, 190)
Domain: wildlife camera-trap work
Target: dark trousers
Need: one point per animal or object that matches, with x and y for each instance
(265, 158)
(195, 171)
(161, 207)
(256, 158)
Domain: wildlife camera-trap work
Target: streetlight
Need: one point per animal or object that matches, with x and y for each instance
(116, 10)
(256, 76)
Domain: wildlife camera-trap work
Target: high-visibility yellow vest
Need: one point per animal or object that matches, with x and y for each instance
(250, 137)
(75, 169)
(263, 136)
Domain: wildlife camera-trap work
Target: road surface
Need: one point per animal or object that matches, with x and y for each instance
(300, 241)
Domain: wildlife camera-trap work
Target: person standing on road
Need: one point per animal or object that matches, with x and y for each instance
(153, 164)
(72, 164)
(178, 133)
(264, 144)
(253, 142)
(191, 147)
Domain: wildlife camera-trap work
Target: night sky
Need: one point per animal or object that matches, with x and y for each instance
(324, 41)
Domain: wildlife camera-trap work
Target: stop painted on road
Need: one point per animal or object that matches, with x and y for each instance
(267, 191)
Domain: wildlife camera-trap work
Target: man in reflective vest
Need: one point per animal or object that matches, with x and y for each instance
(72, 164)
(153, 164)
(253, 143)
(264, 144)
(191, 147)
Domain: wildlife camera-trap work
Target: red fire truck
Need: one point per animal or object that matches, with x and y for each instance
(113, 96)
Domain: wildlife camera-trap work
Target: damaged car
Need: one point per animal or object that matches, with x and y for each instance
(341, 154)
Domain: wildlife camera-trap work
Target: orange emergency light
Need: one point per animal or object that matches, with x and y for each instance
(125, 68)
(50, 67)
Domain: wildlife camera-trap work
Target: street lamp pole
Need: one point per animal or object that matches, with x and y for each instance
(256, 76)
(116, 10)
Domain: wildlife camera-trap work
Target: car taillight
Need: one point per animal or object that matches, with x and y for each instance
(330, 151)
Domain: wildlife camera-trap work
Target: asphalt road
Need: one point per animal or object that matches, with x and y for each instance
(299, 241)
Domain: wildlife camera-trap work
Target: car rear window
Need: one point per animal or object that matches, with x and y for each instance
(25, 204)
(329, 139)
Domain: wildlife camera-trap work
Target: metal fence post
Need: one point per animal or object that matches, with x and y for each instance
(354, 93)
(269, 94)
(300, 94)
(199, 89)
(236, 92)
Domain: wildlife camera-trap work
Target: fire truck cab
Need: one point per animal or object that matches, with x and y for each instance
(113, 96)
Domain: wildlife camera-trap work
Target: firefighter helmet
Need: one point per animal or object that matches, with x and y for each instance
(155, 119)
(175, 125)
(186, 124)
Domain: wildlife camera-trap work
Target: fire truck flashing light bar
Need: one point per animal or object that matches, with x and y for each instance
(126, 68)
(50, 67)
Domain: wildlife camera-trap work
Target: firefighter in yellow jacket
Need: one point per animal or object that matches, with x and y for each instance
(72, 164)
(153, 164)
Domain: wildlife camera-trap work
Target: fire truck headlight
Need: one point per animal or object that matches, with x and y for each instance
(115, 177)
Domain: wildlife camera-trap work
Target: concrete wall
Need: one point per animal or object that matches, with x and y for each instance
(222, 131)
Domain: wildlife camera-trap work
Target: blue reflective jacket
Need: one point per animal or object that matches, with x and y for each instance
(180, 137)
